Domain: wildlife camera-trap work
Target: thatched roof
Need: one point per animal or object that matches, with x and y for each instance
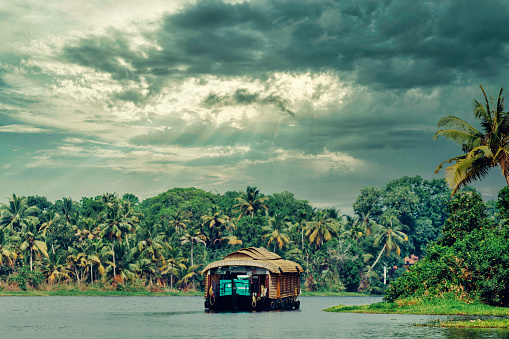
(257, 257)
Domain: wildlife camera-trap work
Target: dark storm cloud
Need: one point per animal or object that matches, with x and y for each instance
(103, 53)
(399, 44)
(355, 136)
(244, 97)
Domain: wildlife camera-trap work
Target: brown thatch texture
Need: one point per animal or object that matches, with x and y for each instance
(257, 257)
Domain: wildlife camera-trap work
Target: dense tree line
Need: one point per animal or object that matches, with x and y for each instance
(167, 240)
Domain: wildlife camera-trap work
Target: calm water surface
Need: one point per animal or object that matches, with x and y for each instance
(184, 317)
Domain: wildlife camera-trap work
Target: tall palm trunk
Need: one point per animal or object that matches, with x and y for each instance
(378, 258)
(171, 278)
(302, 236)
(114, 264)
(372, 266)
(307, 262)
(31, 254)
(192, 262)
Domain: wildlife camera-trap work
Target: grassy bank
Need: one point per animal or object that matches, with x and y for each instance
(332, 294)
(93, 293)
(65, 289)
(473, 323)
(437, 306)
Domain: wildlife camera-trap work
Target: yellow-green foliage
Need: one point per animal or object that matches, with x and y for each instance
(436, 306)
(472, 323)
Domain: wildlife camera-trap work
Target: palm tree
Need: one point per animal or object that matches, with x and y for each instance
(277, 231)
(332, 213)
(152, 245)
(108, 198)
(233, 240)
(129, 220)
(304, 217)
(178, 222)
(146, 268)
(174, 260)
(215, 218)
(76, 262)
(125, 267)
(119, 219)
(67, 208)
(321, 229)
(53, 267)
(484, 148)
(15, 213)
(87, 229)
(355, 228)
(191, 238)
(6, 255)
(368, 224)
(186, 275)
(250, 202)
(93, 255)
(218, 224)
(390, 234)
(33, 239)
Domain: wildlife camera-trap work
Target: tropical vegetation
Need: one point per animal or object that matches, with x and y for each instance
(164, 242)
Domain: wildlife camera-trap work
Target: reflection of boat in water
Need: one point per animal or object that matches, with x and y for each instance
(252, 279)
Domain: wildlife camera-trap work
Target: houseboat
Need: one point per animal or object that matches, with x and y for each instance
(252, 279)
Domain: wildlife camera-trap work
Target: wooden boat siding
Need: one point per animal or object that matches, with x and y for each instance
(273, 283)
(206, 279)
(284, 285)
(290, 285)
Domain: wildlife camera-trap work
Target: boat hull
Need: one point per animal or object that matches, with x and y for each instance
(246, 303)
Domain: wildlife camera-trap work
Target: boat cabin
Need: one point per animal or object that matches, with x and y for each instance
(252, 278)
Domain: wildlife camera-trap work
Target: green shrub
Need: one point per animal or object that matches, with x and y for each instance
(24, 278)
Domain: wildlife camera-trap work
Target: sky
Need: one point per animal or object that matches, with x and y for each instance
(319, 98)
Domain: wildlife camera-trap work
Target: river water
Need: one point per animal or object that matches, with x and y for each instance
(184, 317)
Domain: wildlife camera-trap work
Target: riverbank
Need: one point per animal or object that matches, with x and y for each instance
(96, 292)
(102, 290)
(69, 293)
(437, 306)
(332, 294)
